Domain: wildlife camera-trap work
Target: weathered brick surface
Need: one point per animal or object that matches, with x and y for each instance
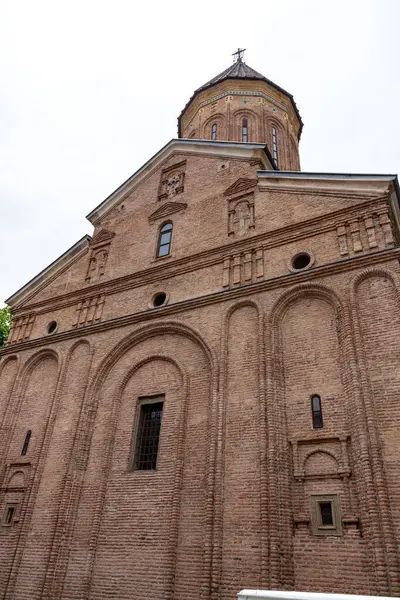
(238, 349)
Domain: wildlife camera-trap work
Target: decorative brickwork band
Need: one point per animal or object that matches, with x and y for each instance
(89, 311)
(243, 268)
(21, 328)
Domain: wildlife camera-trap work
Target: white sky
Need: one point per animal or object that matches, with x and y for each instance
(90, 90)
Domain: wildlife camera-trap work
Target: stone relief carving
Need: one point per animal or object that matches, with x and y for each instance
(172, 181)
(97, 265)
(100, 247)
(241, 216)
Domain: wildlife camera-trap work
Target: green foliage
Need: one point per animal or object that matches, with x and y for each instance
(5, 324)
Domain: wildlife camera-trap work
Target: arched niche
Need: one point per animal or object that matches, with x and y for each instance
(171, 360)
(319, 463)
(36, 389)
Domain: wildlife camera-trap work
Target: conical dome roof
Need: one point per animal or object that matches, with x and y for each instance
(240, 70)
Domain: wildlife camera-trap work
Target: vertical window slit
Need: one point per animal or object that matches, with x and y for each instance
(245, 131)
(316, 410)
(26, 443)
(275, 147)
(9, 515)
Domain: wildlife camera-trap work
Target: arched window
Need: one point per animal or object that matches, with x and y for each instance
(164, 240)
(26, 443)
(316, 411)
(214, 131)
(245, 131)
(275, 147)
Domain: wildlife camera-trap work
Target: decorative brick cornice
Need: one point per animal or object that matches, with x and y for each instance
(286, 280)
(267, 240)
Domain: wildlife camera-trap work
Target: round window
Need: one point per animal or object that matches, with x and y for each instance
(301, 261)
(52, 327)
(159, 299)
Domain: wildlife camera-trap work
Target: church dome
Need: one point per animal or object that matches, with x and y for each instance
(241, 104)
(239, 70)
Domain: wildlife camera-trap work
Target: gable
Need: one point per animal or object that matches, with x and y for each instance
(241, 185)
(166, 210)
(234, 150)
(45, 279)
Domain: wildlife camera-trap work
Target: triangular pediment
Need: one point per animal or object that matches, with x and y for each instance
(102, 237)
(240, 186)
(167, 209)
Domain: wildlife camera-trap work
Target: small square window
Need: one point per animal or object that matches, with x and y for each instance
(9, 514)
(325, 515)
(148, 430)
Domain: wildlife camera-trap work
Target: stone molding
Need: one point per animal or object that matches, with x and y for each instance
(271, 239)
(283, 281)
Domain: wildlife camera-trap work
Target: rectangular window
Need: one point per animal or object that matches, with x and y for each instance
(325, 515)
(148, 434)
(9, 514)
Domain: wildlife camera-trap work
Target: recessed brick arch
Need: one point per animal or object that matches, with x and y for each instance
(253, 124)
(220, 120)
(107, 388)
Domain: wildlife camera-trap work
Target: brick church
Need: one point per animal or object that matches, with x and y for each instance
(204, 395)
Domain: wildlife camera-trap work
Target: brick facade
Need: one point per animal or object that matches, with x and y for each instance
(241, 344)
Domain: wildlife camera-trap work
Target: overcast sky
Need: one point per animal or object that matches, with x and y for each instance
(91, 89)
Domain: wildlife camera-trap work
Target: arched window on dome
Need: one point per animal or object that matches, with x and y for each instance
(214, 131)
(164, 239)
(275, 147)
(245, 130)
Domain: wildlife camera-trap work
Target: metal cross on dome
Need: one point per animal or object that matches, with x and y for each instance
(239, 54)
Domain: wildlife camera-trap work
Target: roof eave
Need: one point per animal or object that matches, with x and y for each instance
(174, 144)
(391, 179)
(52, 268)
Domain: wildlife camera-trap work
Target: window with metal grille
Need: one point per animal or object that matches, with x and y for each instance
(26, 443)
(164, 240)
(245, 131)
(275, 146)
(148, 435)
(316, 411)
(214, 131)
